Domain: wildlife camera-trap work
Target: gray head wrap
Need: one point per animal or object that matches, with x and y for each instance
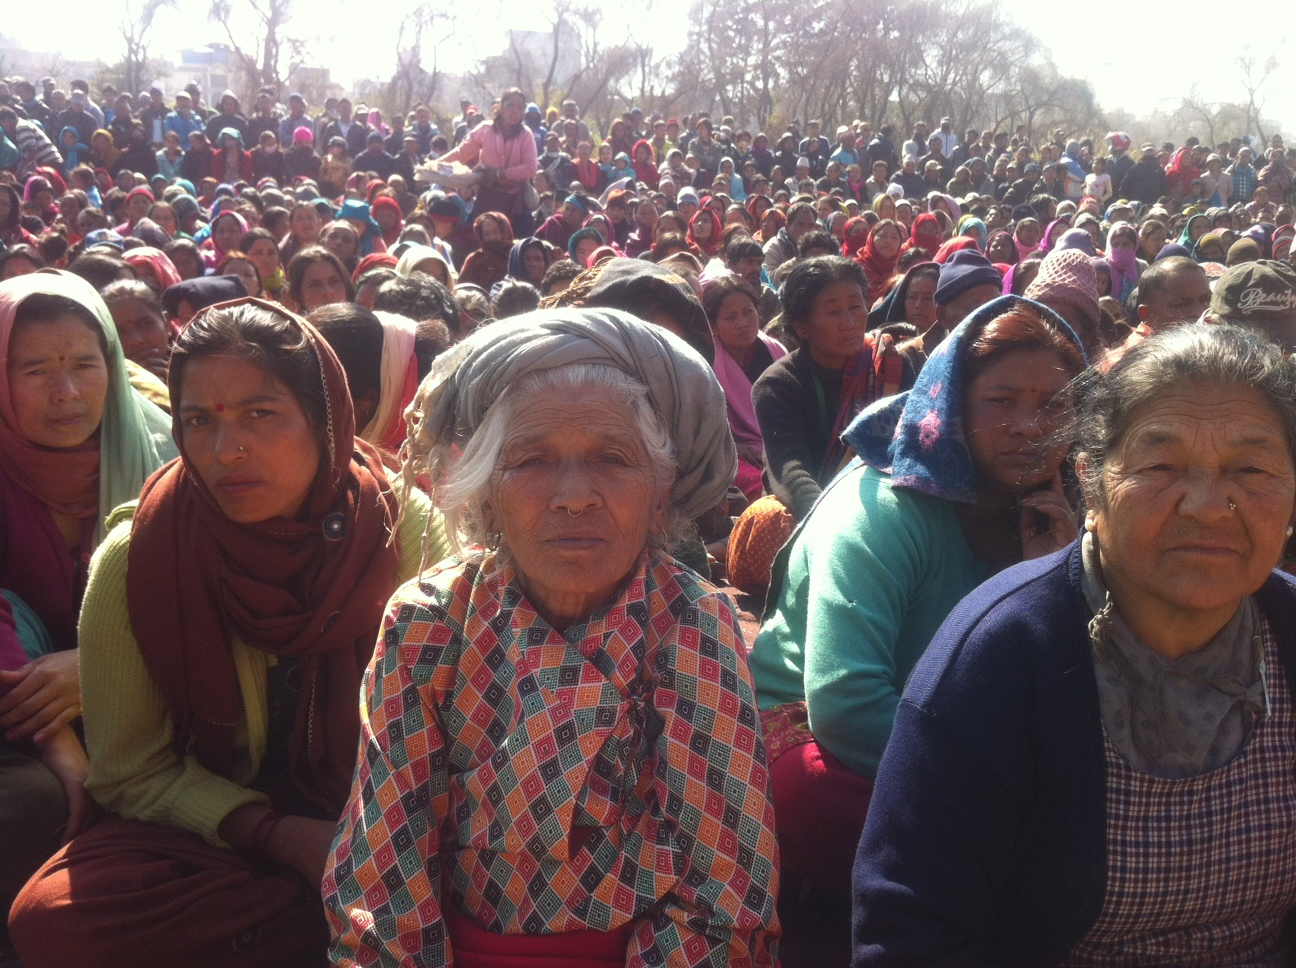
(466, 380)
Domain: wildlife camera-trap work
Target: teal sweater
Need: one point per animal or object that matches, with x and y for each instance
(871, 575)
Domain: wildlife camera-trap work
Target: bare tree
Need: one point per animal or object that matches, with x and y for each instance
(1254, 77)
(136, 25)
(261, 61)
(421, 34)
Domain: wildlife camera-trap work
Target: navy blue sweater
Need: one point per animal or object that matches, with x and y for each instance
(986, 838)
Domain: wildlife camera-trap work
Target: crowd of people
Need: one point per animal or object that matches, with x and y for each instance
(498, 542)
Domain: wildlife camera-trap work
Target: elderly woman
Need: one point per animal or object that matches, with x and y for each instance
(560, 757)
(956, 480)
(1092, 763)
(227, 624)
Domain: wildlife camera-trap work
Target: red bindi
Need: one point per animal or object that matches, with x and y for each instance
(220, 408)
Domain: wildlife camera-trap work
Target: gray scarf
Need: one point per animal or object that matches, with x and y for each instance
(1174, 718)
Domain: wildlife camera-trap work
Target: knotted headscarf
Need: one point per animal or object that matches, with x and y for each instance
(454, 397)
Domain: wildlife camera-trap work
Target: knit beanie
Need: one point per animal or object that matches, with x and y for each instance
(964, 270)
(1067, 277)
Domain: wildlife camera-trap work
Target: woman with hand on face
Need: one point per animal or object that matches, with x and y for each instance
(75, 442)
(1091, 764)
(742, 354)
(224, 634)
(956, 480)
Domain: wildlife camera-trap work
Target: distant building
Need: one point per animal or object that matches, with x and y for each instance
(211, 67)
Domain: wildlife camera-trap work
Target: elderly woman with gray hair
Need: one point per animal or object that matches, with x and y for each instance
(1092, 763)
(561, 761)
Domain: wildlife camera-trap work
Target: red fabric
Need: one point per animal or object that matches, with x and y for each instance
(372, 261)
(475, 947)
(957, 244)
(393, 434)
(646, 171)
(392, 235)
(708, 247)
(126, 893)
(925, 235)
(877, 267)
(819, 807)
(854, 236)
(311, 588)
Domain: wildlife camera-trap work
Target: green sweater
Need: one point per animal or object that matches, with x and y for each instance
(871, 575)
(134, 769)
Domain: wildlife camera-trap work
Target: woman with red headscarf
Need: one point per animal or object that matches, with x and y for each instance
(854, 234)
(489, 263)
(704, 232)
(641, 160)
(223, 637)
(925, 235)
(879, 257)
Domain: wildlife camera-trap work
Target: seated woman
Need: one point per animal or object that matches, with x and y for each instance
(565, 712)
(956, 480)
(1092, 763)
(145, 335)
(377, 351)
(742, 354)
(223, 638)
(528, 260)
(75, 441)
(489, 264)
(805, 400)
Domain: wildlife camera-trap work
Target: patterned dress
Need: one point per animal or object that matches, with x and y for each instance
(612, 777)
(1202, 870)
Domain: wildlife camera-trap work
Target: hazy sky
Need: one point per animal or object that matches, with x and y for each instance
(1190, 40)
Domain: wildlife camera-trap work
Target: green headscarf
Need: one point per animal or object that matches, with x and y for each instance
(134, 435)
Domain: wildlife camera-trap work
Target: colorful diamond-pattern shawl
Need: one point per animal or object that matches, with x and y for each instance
(610, 777)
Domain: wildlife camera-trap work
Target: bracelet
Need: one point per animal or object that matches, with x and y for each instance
(265, 826)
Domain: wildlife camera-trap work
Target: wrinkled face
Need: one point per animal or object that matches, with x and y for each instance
(737, 323)
(920, 302)
(143, 334)
(1013, 412)
(341, 243)
(58, 381)
(248, 439)
(575, 499)
(321, 286)
(887, 242)
(490, 231)
(1198, 496)
(838, 320)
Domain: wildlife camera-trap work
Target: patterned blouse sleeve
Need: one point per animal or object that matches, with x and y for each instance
(382, 885)
(713, 785)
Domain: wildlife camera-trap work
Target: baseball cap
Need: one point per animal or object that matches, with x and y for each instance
(1260, 295)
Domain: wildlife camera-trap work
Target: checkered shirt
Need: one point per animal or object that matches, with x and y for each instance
(488, 738)
(1202, 870)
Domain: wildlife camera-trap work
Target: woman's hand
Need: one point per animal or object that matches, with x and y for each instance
(297, 842)
(1046, 520)
(63, 756)
(46, 696)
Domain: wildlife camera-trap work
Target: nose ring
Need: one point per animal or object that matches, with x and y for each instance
(575, 514)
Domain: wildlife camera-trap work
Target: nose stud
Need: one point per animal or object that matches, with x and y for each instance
(1232, 506)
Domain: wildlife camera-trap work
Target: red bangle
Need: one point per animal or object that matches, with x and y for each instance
(265, 826)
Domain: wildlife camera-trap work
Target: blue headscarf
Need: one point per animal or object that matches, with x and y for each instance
(917, 436)
(517, 257)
